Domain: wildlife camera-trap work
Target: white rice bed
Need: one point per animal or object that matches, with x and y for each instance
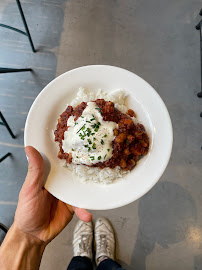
(97, 175)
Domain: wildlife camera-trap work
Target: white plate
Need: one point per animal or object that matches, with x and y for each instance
(150, 110)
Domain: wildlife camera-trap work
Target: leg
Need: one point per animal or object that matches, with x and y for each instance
(9, 70)
(105, 246)
(3, 227)
(109, 264)
(198, 27)
(80, 263)
(4, 123)
(82, 245)
(1, 159)
(25, 25)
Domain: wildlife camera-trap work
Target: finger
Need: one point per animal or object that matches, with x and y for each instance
(36, 169)
(82, 214)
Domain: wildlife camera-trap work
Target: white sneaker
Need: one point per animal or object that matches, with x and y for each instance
(82, 239)
(104, 240)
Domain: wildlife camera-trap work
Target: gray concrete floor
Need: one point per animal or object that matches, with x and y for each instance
(156, 40)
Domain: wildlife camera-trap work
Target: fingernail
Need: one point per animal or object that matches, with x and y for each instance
(27, 158)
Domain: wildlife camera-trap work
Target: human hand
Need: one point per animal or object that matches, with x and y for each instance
(39, 213)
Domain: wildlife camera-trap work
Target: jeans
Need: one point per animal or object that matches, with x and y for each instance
(84, 263)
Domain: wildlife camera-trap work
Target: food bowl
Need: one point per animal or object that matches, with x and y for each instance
(150, 110)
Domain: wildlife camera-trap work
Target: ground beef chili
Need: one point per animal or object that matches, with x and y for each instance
(131, 141)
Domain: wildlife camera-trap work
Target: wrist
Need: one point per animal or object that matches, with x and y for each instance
(27, 239)
(20, 250)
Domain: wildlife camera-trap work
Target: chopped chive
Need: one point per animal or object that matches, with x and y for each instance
(77, 157)
(86, 145)
(105, 135)
(75, 123)
(88, 149)
(94, 146)
(81, 116)
(102, 142)
(92, 133)
(92, 157)
(94, 138)
(108, 150)
(82, 128)
(92, 119)
(89, 141)
(72, 149)
(99, 157)
(88, 121)
(105, 156)
(96, 129)
(99, 109)
(98, 123)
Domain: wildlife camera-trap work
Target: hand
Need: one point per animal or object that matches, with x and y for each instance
(38, 213)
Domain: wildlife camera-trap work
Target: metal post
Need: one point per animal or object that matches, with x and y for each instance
(6, 125)
(25, 25)
(3, 227)
(198, 27)
(4, 157)
(9, 70)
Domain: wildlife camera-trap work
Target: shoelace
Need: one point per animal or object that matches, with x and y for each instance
(84, 244)
(103, 243)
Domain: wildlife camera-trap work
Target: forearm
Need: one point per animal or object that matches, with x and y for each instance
(20, 251)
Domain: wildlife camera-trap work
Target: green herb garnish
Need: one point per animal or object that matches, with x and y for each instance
(105, 156)
(102, 142)
(72, 149)
(92, 157)
(94, 146)
(82, 128)
(92, 119)
(99, 157)
(89, 141)
(105, 135)
(108, 150)
(99, 109)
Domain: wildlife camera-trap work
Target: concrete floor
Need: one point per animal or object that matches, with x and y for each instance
(156, 40)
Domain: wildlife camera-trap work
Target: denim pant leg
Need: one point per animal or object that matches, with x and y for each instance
(109, 264)
(80, 263)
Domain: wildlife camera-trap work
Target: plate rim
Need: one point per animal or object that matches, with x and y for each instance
(169, 122)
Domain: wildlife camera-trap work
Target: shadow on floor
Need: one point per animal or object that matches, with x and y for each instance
(18, 90)
(165, 215)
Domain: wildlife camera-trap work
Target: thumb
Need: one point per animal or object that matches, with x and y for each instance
(82, 214)
(36, 169)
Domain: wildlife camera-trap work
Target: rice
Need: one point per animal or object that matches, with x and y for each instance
(97, 175)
